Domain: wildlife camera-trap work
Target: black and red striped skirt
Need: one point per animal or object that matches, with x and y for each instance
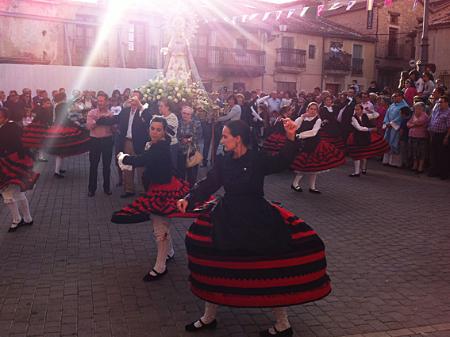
(274, 143)
(17, 169)
(296, 276)
(325, 157)
(335, 140)
(66, 141)
(377, 147)
(33, 135)
(160, 199)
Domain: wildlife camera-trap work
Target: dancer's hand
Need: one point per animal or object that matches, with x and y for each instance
(290, 127)
(182, 205)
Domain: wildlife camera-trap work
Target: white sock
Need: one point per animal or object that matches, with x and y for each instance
(12, 206)
(297, 179)
(364, 164)
(58, 163)
(282, 321)
(357, 164)
(312, 181)
(209, 315)
(24, 207)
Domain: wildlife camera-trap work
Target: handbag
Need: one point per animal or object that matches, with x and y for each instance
(193, 157)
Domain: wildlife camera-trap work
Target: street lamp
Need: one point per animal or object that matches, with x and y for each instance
(424, 40)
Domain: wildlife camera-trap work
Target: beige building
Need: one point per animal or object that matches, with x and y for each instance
(285, 54)
(439, 36)
(394, 28)
(290, 54)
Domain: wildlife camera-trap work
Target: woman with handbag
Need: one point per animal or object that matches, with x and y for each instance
(246, 251)
(189, 156)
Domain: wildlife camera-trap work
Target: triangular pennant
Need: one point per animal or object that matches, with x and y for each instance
(266, 16)
(277, 17)
(350, 4)
(369, 5)
(320, 10)
(290, 13)
(303, 12)
(234, 20)
(252, 16)
(388, 3)
(335, 6)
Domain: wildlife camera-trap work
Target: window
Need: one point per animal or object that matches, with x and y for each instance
(357, 51)
(311, 52)
(287, 86)
(357, 60)
(238, 86)
(393, 42)
(85, 35)
(394, 18)
(131, 37)
(287, 42)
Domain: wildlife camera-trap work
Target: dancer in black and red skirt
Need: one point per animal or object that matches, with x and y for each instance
(16, 172)
(248, 252)
(330, 130)
(364, 142)
(163, 191)
(276, 135)
(315, 155)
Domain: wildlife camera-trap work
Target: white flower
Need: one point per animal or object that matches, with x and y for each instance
(158, 97)
(160, 91)
(170, 98)
(183, 99)
(178, 95)
(148, 91)
(176, 88)
(175, 100)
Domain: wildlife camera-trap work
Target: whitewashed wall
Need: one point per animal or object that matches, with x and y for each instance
(50, 77)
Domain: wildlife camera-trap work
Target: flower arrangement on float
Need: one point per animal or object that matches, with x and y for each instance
(177, 92)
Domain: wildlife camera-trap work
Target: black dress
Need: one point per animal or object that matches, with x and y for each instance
(16, 163)
(330, 130)
(163, 189)
(247, 252)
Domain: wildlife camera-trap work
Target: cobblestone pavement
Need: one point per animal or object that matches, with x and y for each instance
(75, 274)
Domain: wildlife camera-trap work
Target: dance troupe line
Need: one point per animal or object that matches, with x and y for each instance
(243, 251)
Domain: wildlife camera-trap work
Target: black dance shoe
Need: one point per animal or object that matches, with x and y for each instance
(192, 328)
(107, 192)
(91, 194)
(296, 188)
(314, 190)
(285, 333)
(170, 257)
(62, 171)
(364, 172)
(150, 278)
(58, 175)
(354, 175)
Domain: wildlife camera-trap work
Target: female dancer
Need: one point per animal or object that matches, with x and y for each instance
(315, 154)
(330, 130)
(364, 142)
(163, 191)
(276, 135)
(248, 252)
(16, 172)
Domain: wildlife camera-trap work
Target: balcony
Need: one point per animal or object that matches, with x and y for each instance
(337, 63)
(227, 61)
(357, 67)
(290, 60)
(395, 51)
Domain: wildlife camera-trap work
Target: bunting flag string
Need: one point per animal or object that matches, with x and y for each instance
(302, 11)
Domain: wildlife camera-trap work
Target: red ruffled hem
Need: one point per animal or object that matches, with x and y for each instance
(377, 147)
(325, 157)
(17, 169)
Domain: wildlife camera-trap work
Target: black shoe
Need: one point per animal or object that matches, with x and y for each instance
(127, 195)
(314, 190)
(192, 328)
(170, 257)
(91, 194)
(296, 188)
(23, 223)
(150, 278)
(285, 333)
(62, 171)
(58, 175)
(13, 228)
(107, 192)
(354, 175)
(364, 172)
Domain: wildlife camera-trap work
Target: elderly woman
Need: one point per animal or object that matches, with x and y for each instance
(248, 252)
(418, 136)
(189, 133)
(165, 110)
